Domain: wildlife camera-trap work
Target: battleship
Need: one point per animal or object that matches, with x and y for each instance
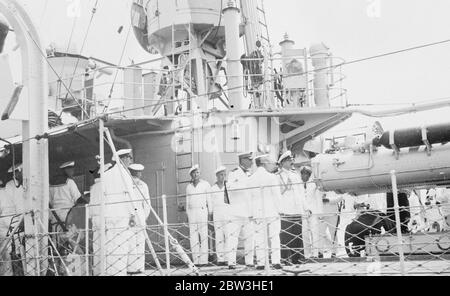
(217, 88)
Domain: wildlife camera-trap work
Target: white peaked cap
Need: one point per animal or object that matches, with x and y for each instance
(245, 155)
(124, 152)
(68, 164)
(136, 167)
(262, 156)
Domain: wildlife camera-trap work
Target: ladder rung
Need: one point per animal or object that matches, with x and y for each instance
(185, 182)
(263, 24)
(260, 9)
(184, 168)
(184, 154)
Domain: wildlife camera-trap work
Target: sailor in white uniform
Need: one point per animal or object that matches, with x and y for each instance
(11, 204)
(292, 211)
(64, 196)
(266, 203)
(197, 201)
(313, 206)
(136, 253)
(220, 203)
(241, 216)
(119, 212)
(329, 223)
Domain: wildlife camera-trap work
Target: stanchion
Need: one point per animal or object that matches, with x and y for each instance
(36, 247)
(102, 201)
(86, 238)
(398, 222)
(166, 233)
(266, 236)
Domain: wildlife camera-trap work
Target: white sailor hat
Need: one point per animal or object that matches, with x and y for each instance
(246, 155)
(17, 167)
(287, 154)
(193, 169)
(69, 164)
(123, 152)
(306, 168)
(136, 167)
(221, 169)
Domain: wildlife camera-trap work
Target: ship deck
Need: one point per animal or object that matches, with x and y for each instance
(385, 266)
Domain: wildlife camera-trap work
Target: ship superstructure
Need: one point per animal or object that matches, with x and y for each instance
(218, 89)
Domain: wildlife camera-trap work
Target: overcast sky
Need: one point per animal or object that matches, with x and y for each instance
(353, 29)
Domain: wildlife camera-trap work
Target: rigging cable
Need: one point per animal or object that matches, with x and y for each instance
(111, 91)
(44, 55)
(93, 120)
(371, 58)
(94, 10)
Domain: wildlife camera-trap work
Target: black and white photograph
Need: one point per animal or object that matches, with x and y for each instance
(224, 143)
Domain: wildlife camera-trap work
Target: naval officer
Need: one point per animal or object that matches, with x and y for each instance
(266, 201)
(118, 214)
(241, 217)
(137, 228)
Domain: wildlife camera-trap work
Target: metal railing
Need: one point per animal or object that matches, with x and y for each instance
(173, 87)
(341, 239)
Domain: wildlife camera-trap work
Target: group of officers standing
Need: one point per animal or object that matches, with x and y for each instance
(126, 211)
(275, 204)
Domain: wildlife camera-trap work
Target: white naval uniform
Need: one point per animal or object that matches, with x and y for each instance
(63, 198)
(118, 212)
(292, 192)
(240, 217)
(7, 208)
(221, 216)
(311, 227)
(136, 254)
(328, 221)
(443, 196)
(266, 203)
(11, 203)
(197, 200)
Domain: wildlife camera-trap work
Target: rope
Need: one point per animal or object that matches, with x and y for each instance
(120, 61)
(94, 10)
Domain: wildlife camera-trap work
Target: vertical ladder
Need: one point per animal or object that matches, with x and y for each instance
(183, 162)
(262, 18)
(268, 55)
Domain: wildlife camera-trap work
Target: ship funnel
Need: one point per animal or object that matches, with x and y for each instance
(320, 55)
